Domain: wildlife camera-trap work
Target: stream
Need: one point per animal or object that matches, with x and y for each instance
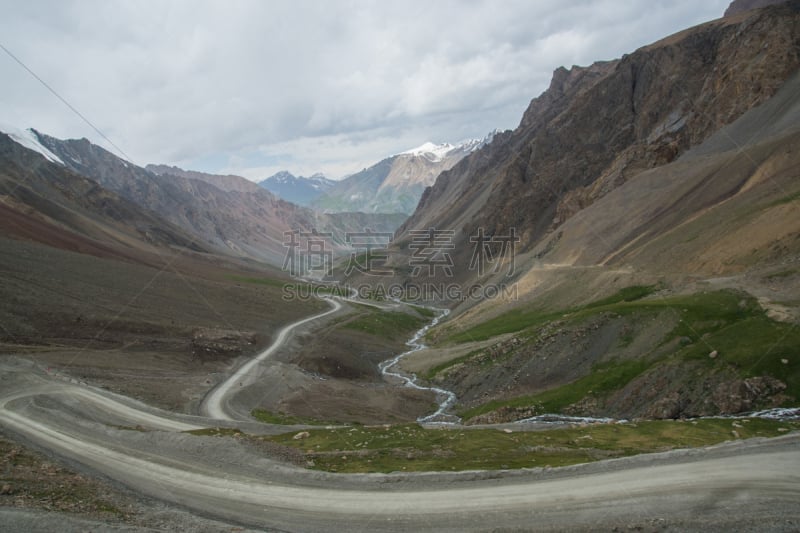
(444, 398)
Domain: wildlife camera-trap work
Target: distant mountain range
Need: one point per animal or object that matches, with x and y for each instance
(297, 189)
(227, 182)
(395, 184)
(76, 194)
(43, 200)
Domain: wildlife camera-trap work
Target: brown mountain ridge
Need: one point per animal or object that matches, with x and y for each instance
(597, 127)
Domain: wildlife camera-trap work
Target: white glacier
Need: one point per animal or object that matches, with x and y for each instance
(435, 152)
(28, 139)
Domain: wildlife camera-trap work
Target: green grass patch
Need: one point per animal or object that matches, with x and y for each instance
(628, 294)
(604, 379)
(734, 325)
(425, 312)
(699, 313)
(510, 322)
(708, 312)
(297, 287)
(521, 319)
(755, 346)
(392, 325)
(268, 417)
(789, 198)
(431, 372)
(413, 448)
(730, 322)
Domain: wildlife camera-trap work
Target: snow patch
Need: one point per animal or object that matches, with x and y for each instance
(437, 152)
(29, 140)
(429, 150)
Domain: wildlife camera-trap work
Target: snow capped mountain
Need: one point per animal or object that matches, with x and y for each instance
(29, 139)
(284, 176)
(472, 145)
(431, 151)
(320, 182)
(438, 152)
(297, 189)
(395, 184)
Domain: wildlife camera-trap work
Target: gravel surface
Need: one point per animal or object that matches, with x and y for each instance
(752, 482)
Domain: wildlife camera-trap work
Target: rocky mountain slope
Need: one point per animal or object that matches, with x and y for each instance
(227, 183)
(237, 220)
(598, 127)
(655, 198)
(96, 286)
(232, 222)
(740, 6)
(395, 184)
(41, 200)
(705, 265)
(297, 189)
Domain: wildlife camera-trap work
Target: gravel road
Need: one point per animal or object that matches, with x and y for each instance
(215, 403)
(754, 482)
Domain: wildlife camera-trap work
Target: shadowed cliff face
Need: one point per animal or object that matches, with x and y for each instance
(597, 127)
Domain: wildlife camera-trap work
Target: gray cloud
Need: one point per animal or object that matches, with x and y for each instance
(256, 86)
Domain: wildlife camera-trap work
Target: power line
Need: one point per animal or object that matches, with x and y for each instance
(70, 106)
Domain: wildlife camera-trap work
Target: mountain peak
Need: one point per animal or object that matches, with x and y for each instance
(429, 150)
(296, 189)
(227, 182)
(395, 184)
(437, 152)
(282, 176)
(471, 145)
(29, 138)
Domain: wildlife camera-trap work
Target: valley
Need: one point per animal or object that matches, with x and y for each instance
(229, 468)
(587, 322)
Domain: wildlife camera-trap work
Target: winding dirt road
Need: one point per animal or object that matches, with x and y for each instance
(753, 482)
(215, 403)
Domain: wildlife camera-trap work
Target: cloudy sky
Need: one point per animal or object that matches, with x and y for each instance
(253, 87)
